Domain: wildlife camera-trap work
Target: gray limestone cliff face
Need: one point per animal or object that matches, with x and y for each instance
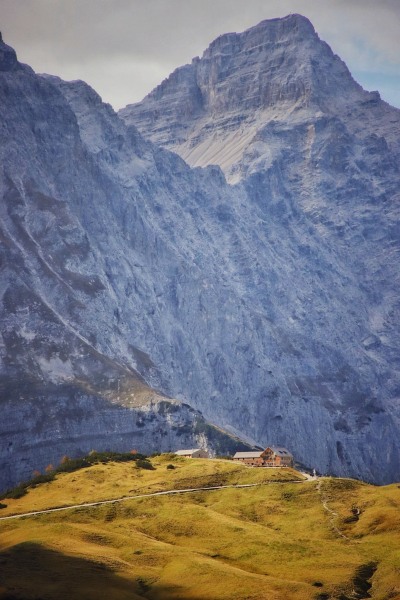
(70, 271)
(271, 305)
(53, 421)
(319, 159)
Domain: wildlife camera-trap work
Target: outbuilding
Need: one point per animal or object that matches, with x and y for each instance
(193, 453)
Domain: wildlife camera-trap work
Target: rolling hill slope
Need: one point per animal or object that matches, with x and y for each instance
(277, 540)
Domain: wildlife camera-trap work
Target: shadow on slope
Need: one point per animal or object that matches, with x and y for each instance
(31, 572)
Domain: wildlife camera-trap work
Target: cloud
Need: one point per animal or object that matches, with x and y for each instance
(123, 48)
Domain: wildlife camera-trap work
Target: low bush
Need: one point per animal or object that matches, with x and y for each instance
(145, 464)
(42, 478)
(287, 495)
(15, 492)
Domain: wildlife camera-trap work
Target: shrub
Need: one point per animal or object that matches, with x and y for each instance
(287, 495)
(171, 466)
(145, 464)
(111, 513)
(3, 505)
(16, 492)
(42, 478)
(73, 465)
(351, 519)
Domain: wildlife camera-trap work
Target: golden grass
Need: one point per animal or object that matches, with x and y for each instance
(269, 542)
(112, 480)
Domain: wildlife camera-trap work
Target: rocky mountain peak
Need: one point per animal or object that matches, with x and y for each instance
(278, 60)
(8, 57)
(272, 70)
(268, 31)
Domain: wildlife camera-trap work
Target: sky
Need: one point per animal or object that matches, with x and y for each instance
(124, 48)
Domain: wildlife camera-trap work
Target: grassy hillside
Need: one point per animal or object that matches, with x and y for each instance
(274, 541)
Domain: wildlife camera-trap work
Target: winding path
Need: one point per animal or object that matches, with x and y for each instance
(114, 500)
(333, 515)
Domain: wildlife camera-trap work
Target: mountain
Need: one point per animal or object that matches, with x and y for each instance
(128, 278)
(319, 159)
(76, 256)
(237, 105)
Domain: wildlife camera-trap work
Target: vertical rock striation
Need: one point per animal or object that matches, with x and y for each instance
(319, 159)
